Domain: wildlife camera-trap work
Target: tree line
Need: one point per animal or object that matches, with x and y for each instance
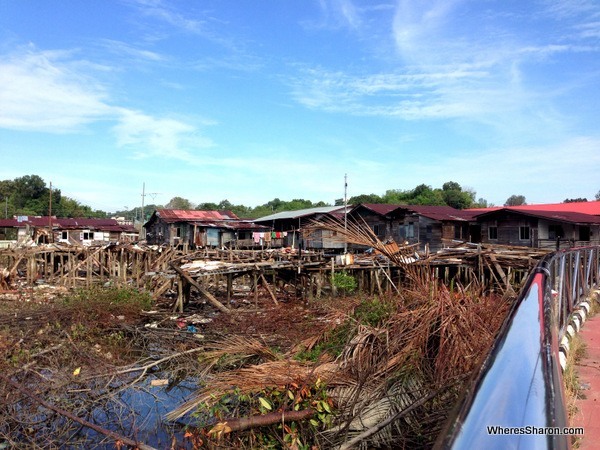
(29, 195)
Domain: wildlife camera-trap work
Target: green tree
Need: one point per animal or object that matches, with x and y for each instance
(515, 200)
(575, 200)
(179, 203)
(29, 195)
(424, 195)
(455, 196)
(481, 203)
(207, 206)
(365, 198)
(598, 195)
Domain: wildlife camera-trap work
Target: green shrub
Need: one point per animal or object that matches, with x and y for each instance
(99, 301)
(344, 282)
(373, 312)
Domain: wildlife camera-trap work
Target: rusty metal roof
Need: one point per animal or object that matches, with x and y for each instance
(193, 215)
(66, 223)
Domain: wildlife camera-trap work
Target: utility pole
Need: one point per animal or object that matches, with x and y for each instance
(143, 196)
(153, 194)
(50, 234)
(345, 213)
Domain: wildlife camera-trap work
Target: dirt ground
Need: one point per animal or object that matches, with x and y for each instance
(280, 326)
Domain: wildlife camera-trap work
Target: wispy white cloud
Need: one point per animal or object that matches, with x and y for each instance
(158, 137)
(445, 69)
(336, 14)
(572, 8)
(236, 62)
(40, 91)
(403, 95)
(131, 51)
(47, 91)
(418, 24)
(165, 12)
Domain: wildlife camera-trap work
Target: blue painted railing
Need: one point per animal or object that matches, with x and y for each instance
(516, 400)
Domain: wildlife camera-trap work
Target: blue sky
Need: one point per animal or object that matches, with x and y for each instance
(252, 100)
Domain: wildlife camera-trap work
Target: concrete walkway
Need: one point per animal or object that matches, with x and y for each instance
(588, 369)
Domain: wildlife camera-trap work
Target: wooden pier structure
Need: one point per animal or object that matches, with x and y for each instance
(218, 275)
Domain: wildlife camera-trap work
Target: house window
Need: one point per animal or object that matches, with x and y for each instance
(524, 232)
(493, 233)
(178, 233)
(88, 235)
(410, 230)
(64, 235)
(555, 231)
(584, 233)
(377, 229)
(457, 232)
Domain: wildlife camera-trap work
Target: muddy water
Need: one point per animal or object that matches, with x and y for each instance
(138, 413)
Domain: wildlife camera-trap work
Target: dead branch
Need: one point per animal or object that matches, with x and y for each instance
(67, 414)
(263, 420)
(144, 369)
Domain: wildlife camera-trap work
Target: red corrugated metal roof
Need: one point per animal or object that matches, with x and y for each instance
(558, 216)
(592, 208)
(192, 215)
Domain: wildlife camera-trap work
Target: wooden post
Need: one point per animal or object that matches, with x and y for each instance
(203, 291)
(333, 286)
(179, 303)
(379, 290)
(264, 280)
(319, 283)
(88, 271)
(229, 287)
(255, 280)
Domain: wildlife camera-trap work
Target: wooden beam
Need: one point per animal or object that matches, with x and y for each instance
(203, 291)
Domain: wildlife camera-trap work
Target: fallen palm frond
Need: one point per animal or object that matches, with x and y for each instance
(393, 379)
(234, 350)
(256, 378)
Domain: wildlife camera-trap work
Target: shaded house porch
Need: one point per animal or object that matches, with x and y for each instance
(539, 229)
(428, 226)
(291, 223)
